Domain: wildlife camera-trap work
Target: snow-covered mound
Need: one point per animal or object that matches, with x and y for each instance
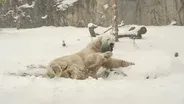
(157, 77)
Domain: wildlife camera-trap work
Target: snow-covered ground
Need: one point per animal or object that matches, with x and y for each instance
(157, 77)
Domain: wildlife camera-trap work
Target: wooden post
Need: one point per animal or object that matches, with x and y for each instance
(115, 19)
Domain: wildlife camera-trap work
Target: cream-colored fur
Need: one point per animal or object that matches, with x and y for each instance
(94, 61)
(68, 66)
(73, 66)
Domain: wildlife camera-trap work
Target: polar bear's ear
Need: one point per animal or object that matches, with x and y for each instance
(110, 38)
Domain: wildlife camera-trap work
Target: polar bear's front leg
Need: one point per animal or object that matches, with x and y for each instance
(116, 63)
(93, 61)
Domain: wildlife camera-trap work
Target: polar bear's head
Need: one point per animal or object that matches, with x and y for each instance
(108, 42)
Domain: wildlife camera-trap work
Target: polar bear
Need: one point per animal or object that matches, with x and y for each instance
(92, 63)
(75, 63)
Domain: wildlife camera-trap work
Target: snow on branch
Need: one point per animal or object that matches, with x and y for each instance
(91, 25)
(106, 6)
(44, 17)
(173, 23)
(27, 5)
(64, 4)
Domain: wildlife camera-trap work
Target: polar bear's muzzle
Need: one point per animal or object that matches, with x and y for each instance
(111, 46)
(107, 47)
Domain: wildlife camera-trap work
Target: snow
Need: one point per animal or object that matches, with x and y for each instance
(44, 17)
(9, 12)
(28, 16)
(103, 17)
(91, 25)
(105, 6)
(27, 5)
(64, 4)
(154, 59)
(126, 31)
(173, 23)
(16, 17)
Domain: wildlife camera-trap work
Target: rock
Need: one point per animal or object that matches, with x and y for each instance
(176, 54)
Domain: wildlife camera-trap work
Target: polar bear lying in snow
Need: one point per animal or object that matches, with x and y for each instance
(92, 63)
(73, 66)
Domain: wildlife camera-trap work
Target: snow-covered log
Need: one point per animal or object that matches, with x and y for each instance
(134, 31)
